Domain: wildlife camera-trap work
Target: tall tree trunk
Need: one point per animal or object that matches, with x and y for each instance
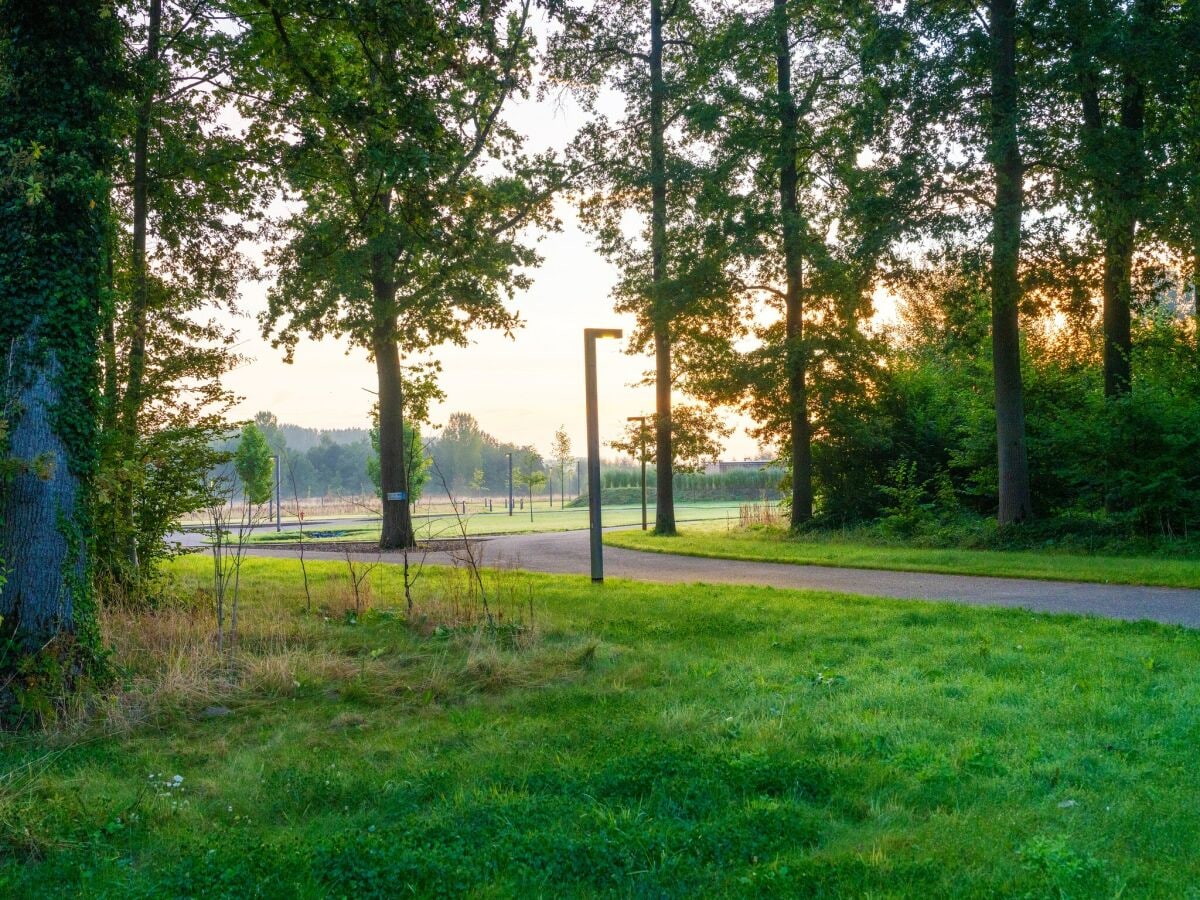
(60, 59)
(139, 300)
(1116, 158)
(1005, 152)
(792, 232)
(397, 530)
(47, 567)
(1118, 301)
(664, 517)
(1121, 214)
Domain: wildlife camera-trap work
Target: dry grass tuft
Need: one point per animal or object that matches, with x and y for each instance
(471, 631)
(759, 514)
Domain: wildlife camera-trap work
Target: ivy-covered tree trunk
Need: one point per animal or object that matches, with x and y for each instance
(1005, 153)
(791, 227)
(55, 95)
(664, 515)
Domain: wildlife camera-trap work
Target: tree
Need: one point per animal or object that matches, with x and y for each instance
(412, 192)
(1109, 58)
(1004, 153)
(478, 482)
(804, 191)
(640, 48)
(560, 451)
(254, 464)
(970, 77)
(58, 82)
(531, 473)
(697, 436)
(459, 450)
(185, 182)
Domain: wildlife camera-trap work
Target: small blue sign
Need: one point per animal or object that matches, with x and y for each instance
(397, 495)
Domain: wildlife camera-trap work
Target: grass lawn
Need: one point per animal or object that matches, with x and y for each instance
(626, 740)
(762, 544)
(445, 525)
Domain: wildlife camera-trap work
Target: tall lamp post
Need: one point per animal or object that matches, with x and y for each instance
(510, 491)
(593, 444)
(278, 509)
(642, 455)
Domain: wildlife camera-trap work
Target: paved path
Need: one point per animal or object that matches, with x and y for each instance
(567, 553)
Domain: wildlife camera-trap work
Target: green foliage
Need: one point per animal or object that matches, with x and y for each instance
(254, 465)
(414, 189)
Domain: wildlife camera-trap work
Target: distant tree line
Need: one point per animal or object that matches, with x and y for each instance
(317, 462)
(461, 459)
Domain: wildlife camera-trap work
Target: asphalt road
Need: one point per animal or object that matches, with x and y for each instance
(567, 553)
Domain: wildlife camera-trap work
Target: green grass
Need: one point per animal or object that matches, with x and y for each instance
(520, 522)
(762, 544)
(624, 740)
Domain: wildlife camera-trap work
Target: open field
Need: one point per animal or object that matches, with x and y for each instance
(441, 523)
(775, 545)
(626, 740)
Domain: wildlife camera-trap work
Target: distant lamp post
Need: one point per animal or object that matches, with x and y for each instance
(590, 336)
(642, 455)
(510, 489)
(278, 505)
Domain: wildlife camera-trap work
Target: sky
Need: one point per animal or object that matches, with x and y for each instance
(520, 389)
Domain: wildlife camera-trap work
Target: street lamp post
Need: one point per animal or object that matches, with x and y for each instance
(593, 444)
(510, 489)
(278, 510)
(641, 420)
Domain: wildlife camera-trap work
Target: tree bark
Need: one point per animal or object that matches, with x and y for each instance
(397, 530)
(1118, 302)
(664, 517)
(792, 226)
(1121, 213)
(46, 570)
(1014, 495)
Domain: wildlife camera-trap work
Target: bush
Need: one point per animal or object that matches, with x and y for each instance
(914, 451)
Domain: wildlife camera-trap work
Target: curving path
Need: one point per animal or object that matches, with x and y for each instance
(567, 553)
